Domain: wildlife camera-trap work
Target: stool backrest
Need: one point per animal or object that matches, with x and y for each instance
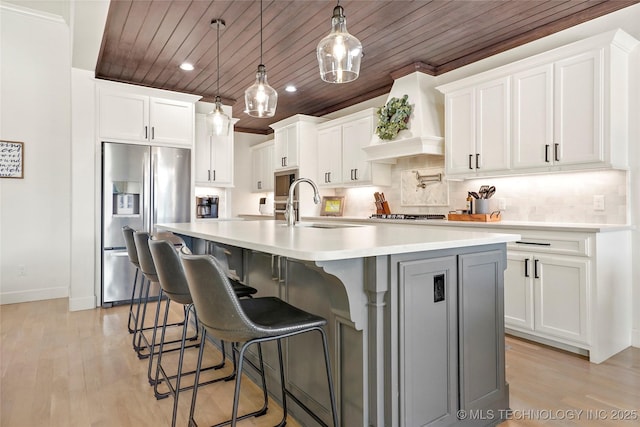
(144, 255)
(216, 302)
(131, 245)
(170, 271)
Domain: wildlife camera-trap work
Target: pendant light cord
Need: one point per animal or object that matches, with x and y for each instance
(261, 31)
(218, 48)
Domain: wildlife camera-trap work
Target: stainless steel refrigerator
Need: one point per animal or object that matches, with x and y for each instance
(141, 186)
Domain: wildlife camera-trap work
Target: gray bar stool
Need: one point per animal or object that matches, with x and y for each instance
(148, 268)
(247, 321)
(174, 285)
(133, 258)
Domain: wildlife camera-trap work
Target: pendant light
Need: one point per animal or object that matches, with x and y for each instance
(218, 121)
(339, 53)
(260, 99)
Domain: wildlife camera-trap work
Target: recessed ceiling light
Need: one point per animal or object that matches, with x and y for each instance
(291, 88)
(186, 66)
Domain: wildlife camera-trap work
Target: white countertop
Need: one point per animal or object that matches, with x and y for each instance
(525, 225)
(326, 244)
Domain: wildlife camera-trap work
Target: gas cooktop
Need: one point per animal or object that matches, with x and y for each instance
(408, 216)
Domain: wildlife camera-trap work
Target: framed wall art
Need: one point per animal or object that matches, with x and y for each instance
(11, 159)
(332, 206)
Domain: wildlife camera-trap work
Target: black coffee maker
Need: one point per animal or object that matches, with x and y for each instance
(207, 207)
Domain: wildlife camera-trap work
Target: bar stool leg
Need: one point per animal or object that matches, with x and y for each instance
(131, 328)
(155, 329)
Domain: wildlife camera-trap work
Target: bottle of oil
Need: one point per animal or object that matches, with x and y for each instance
(469, 203)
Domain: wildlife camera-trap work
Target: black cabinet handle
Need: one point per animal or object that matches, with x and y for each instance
(556, 152)
(477, 160)
(146, 132)
(546, 153)
(153, 132)
(526, 267)
(209, 175)
(259, 185)
(328, 176)
(214, 174)
(470, 158)
(355, 174)
(536, 273)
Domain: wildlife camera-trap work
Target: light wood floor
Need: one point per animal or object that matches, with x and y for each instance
(78, 369)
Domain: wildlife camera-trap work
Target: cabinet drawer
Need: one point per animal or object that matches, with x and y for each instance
(557, 243)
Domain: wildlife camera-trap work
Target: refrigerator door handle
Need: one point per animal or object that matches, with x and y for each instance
(153, 215)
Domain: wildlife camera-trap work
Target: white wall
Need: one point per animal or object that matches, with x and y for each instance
(84, 197)
(35, 108)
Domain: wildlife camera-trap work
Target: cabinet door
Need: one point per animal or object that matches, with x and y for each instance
(356, 135)
(171, 122)
(579, 109)
(561, 296)
(202, 151)
(330, 157)
(518, 291)
(262, 169)
(428, 341)
(460, 132)
(533, 118)
(493, 126)
(222, 159)
(286, 147)
(123, 116)
(481, 329)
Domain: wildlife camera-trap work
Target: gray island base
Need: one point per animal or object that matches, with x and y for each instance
(416, 316)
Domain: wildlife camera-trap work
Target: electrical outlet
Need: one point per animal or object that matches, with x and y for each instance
(502, 204)
(598, 203)
(22, 270)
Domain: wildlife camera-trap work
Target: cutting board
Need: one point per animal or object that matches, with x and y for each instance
(493, 217)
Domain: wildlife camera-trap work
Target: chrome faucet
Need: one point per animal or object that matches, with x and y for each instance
(290, 215)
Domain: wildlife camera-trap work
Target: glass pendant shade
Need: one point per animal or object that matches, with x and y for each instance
(218, 121)
(260, 98)
(339, 53)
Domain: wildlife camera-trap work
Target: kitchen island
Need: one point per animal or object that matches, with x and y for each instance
(415, 317)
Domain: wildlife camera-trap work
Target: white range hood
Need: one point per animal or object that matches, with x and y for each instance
(424, 135)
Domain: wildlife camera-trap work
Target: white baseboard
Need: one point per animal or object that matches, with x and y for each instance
(84, 303)
(33, 295)
(635, 338)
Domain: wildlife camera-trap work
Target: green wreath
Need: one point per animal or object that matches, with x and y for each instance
(393, 117)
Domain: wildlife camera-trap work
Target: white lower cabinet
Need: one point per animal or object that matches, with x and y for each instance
(570, 289)
(547, 295)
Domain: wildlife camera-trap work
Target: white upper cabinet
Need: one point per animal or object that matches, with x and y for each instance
(568, 110)
(477, 127)
(171, 121)
(533, 117)
(342, 161)
(558, 113)
(286, 147)
(123, 116)
(127, 114)
(578, 109)
(213, 156)
(262, 167)
(330, 156)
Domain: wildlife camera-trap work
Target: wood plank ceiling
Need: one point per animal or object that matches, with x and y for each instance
(145, 42)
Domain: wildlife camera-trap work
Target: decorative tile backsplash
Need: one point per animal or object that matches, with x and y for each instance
(554, 197)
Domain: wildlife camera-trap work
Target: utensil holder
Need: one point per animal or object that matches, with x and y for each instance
(482, 206)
